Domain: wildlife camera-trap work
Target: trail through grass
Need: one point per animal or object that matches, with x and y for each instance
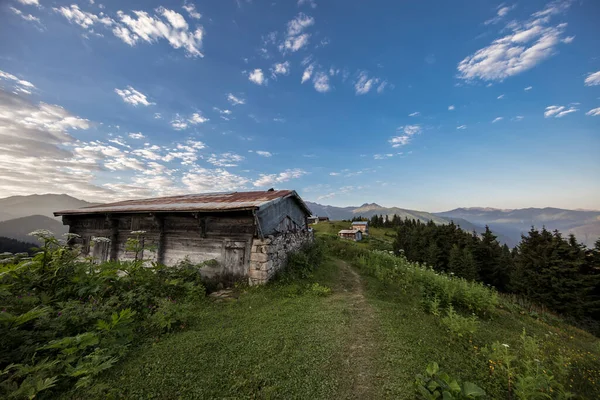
(366, 340)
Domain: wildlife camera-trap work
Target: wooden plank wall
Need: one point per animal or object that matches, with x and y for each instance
(225, 237)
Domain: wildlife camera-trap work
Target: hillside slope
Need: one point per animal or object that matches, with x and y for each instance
(19, 228)
(38, 204)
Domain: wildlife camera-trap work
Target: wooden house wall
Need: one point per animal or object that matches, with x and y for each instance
(173, 237)
(282, 216)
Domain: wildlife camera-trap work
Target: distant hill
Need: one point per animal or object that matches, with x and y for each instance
(19, 228)
(37, 204)
(585, 225)
(16, 246)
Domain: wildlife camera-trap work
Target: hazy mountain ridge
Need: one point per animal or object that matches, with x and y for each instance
(19, 228)
(38, 204)
(585, 225)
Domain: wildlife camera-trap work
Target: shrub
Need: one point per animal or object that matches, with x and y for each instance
(319, 290)
(528, 373)
(458, 325)
(437, 385)
(64, 320)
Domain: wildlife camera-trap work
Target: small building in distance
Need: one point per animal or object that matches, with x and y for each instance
(249, 234)
(313, 219)
(362, 226)
(350, 234)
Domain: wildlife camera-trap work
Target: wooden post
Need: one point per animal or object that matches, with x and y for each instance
(114, 238)
(160, 252)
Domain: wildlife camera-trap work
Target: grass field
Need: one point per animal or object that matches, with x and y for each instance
(365, 340)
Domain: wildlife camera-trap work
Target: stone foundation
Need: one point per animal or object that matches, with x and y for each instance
(270, 254)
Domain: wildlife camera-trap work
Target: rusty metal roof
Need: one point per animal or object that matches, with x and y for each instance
(203, 202)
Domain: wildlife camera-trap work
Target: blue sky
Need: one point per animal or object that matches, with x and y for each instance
(425, 105)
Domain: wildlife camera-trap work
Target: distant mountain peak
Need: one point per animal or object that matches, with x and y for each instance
(370, 205)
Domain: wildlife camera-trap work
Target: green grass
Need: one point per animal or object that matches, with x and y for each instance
(365, 340)
(378, 238)
(270, 343)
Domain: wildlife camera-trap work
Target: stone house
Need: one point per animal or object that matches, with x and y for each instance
(249, 234)
(351, 234)
(362, 226)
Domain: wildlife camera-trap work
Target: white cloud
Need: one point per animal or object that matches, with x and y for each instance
(200, 180)
(450, 108)
(364, 84)
(20, 85)
(518, 118)
(222, 112)
(502, 10)
(179, 123)
(137, 135)
(172, 27)
(157, 116)
(527, 45)
(295, 37)
(235, 100)
(593, 79)
(197, 118)
(26, 17)
(271, 179)
(594, 112)
(382, 156)
(558, 111)
(461, 127)
(407, 132)
(568, 39)
(321, 82)
(382, 87)
(528, 88)
(191, 10)
(307, 73)
(82, 18)
(415, 114)
(225, 159)
(500, 97)
(257, 76)
(263, 153)
(30, 2)
(497, 119)
(299, 24)
(132, 96)
(310, 3)
(280, 69)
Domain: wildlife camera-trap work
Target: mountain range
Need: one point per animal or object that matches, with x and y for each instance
(20, 215)
(508, 225)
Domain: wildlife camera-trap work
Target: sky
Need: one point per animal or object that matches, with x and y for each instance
(427, 105)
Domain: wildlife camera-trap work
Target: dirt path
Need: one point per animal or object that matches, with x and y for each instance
(361, 350)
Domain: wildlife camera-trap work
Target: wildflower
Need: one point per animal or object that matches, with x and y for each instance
(100, 239)
(505, 345)
(70, 235)
(138, 232)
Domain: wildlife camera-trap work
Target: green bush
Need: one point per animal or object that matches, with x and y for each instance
(390, 269)
(64, 320)
(439, 385)
(458, 325)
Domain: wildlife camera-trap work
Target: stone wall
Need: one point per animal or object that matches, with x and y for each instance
(270, 254)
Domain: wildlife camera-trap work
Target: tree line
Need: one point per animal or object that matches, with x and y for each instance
(545, 267)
